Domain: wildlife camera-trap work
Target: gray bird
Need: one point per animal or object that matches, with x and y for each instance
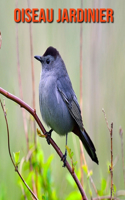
(58, 103)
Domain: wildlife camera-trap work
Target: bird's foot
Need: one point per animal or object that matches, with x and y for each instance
(64, 159)
(48, 136)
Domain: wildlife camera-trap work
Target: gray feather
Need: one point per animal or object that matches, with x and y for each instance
(70, 99)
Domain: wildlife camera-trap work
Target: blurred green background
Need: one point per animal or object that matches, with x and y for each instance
(103, 85)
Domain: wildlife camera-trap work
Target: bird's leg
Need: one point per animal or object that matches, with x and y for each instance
(48, 136)
(65, 155)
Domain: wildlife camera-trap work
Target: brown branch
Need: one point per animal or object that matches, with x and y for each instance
(33, 113)
(15, 166)
(122, 150)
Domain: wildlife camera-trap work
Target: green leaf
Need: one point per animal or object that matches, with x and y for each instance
(39, 133)
(103, 184)
(74, 164)
(69, 151)
(90, 173)
(114, 188)
(102, 191)
(16, 157)
(72, 154)
(43, 197)
(85, 168)
(90, 192)
(74, 195)
(70, 180)
(108, 166)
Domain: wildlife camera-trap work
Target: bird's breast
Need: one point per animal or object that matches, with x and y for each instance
(53, 109)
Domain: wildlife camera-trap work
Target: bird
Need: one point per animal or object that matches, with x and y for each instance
(58, 103)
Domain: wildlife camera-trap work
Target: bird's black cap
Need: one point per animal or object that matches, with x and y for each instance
(51, 51)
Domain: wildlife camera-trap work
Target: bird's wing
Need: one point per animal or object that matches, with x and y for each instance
(64, 87)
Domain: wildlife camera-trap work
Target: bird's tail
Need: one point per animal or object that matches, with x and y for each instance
(88, 144)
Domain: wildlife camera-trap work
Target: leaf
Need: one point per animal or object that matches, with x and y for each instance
(16, 157)
(72, 154)
(90, 173)
(75, 163)
(69, 151)
(90, 192)
(103, 184)
(70, 180)
(74, 196)
(108, 166)
(85, 168)
(39, 133)
(43, 197)
(114, 188)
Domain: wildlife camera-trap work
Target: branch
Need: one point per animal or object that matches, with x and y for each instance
(15, 166)
(111, 136)
(82, 157)
(111, 167)
(33, 113)
(20, 84)
(32, 71)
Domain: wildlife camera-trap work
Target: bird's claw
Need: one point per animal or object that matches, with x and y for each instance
(48, 136)
(64, 159)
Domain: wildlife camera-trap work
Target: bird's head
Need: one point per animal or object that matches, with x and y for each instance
(50, 59)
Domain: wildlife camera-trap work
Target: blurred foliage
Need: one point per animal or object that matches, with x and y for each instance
(36, 170)
(70, 153)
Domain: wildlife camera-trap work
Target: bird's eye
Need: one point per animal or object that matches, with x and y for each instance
(48, 61)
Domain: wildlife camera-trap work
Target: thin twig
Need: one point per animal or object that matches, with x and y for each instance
(90, 178)
(111, 136)
(122, 150)
(82, 156)
(35, 185)
(81, 102)
(25, 197)
(32, 70)
(111, 168)
(106, 119)
(15, 166)
(0, 40)
(94, 187)
(81, 59)
(21, 96)
(20, 84)
(3, 107)
(105, 197)
(33, 113)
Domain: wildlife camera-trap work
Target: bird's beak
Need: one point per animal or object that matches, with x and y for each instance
(40, 58)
